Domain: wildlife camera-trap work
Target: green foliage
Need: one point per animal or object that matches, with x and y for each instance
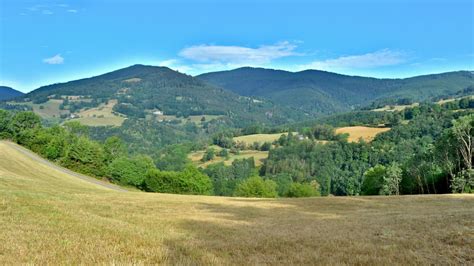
(114, 147)
(257, 187)
(130, 171)
(319, 92)
(208, 155)
(391, 180)
(373, 180)
(189, 181)
(173, 157)
(323, 132)
(225, 178)
(298, 190)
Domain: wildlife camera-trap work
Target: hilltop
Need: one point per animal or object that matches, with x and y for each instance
(44, 209)
(7, 93)
(141, 91)
(321, 92)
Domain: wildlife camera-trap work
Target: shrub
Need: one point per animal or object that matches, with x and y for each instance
(189, 181)
(255, 186)
(298, 190)
(130, 171)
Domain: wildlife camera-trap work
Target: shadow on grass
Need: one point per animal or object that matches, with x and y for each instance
(369, 230)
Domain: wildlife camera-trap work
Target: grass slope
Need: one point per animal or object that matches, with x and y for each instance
(49, 217)
(359, 132)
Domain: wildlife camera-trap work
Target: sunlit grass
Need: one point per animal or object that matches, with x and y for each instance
(48, 217)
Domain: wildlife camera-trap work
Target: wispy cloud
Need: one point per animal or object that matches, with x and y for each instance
(55, 60)
(380, 58)
(238, 54)
(47, 12)
(51, 9)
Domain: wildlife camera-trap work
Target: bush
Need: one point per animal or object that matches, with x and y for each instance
(298, 190)
(255, 186)
(373, 180)
(189, 181)
(130, 171)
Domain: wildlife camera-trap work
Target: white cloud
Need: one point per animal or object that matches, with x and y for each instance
(72, 10)
(55, 60)
(384, 57)
(238, 54)
(175, 64)
(47, 12)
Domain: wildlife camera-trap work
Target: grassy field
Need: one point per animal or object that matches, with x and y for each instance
(100, 116)
(49, 217)
(258, 156)
(358, 132)
(47, 110)
(250, 139)
(393, 108)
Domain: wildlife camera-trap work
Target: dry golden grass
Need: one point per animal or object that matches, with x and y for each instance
(392, 108)
(49, 110)
(443, 101)
(132, 80)
(48, 217)
(366, 133)
(100, 116)
(260, 138)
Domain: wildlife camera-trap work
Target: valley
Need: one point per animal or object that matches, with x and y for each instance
(49, 217)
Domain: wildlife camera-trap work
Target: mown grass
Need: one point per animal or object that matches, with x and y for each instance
(358, 132)
(260, 138)
(48, 217)
(100, 116)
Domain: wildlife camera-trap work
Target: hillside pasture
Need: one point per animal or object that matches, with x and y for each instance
(393, 108)
(359, 132)
(100, 116)
(49, 109)
(260, 138)
(50, 217)
(258, 156)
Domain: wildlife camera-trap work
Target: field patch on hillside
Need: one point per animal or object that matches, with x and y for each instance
(49, 109)
(49, 217)
(393, 108)
(260, 138)
(358, 132)
(258, 156)
(102, 115)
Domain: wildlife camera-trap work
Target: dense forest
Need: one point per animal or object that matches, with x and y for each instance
(142, 89)
(321, 92)
(428, 150)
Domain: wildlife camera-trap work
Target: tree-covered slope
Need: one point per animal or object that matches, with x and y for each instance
(325, 92)
(143, 89)
(7, 93)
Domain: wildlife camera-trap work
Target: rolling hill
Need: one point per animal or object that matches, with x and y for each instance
(44, 209)
(143, 90)
(323, 92)
(7, 93)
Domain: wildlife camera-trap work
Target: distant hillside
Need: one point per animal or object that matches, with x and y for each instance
(316, 91)
(142, 90)
(7, 93)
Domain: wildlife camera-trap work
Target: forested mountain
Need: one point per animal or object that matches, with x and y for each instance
(323, 92)
(7, 93)
(143, 89)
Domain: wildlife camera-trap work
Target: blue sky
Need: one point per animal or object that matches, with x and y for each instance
(44, 42)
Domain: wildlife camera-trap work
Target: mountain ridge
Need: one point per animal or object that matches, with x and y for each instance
(317, 91)
(8, 93)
